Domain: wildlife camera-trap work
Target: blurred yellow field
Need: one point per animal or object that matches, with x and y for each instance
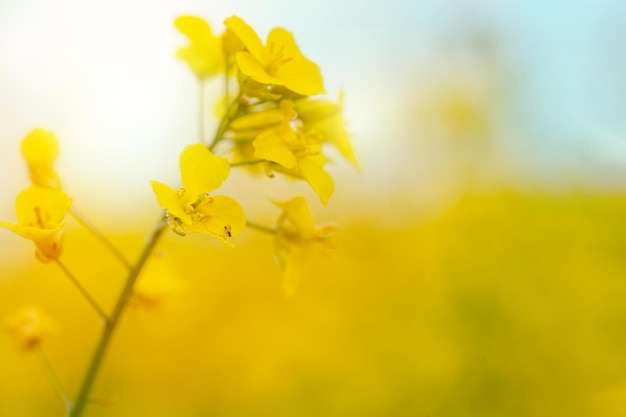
(507, 303)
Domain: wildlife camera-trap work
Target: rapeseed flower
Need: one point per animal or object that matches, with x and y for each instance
(204, 54)
(297, 151)
(296, 236)
(29, 327)
(279, 62)
(40, 214)
(191, 209)
(40, 149)
(325, 117)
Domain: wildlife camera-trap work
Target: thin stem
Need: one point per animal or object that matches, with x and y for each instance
(54, 378)
(101, 349)
(106, 242)
(252, 162)
(83, 291)
(223, 126)
(260, 228)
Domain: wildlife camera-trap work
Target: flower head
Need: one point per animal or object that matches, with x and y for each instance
(158, 285)
(40, 214)
(30, 327)
(296, 236)
(279, 62)
(297, 151)
(191, 209)
(204, 54)
(325, 117)
(40, 149)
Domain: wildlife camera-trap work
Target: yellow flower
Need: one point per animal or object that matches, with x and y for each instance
(296, 236)
(30, 327)
(204, 55)
(40, 149)
(191, 209)
(40, 216)
(325, 117)
(300, 153)
(158, 285)
(279, 62)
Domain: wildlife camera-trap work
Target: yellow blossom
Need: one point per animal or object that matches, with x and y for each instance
(40, 149)
(204, 54)
(157, 286)
(279, 62)
(296, 236)
(40, 214)
(30, 327)
(299, 152)
(191, 209)
(325, 117)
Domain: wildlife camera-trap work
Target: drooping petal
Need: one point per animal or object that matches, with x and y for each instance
(320, 181)
(169, 199)
(247, 35)
(201, 171)
(269, 145)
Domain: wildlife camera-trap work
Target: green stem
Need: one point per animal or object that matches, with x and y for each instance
(260, 228)
(223, 126)
(252, 162)
(101, 349)
(82, 290)
(106, 242)
(56, 382)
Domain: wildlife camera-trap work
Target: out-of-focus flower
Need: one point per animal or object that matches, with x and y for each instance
(157, 286)
(191, 209)
(29, 327)
(40, 214)
(40, 149)
(204, 54)
(296, 237)
(279, 62)
(299, 152)
(325, 118)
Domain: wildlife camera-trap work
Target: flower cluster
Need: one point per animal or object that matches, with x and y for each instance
(273, 122)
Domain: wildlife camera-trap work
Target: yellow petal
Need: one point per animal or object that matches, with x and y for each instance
(296, 211)
(40, 147)
(43, 208)
(269, 145)
(170, 200)
(320, 181)
(204, 54)
(225, 217)
(247, 35)
(254, 69)
(48, 241)
(201, 171)
(293, 70)
(258, 121)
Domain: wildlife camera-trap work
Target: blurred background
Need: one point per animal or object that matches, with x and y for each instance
(479, 269)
